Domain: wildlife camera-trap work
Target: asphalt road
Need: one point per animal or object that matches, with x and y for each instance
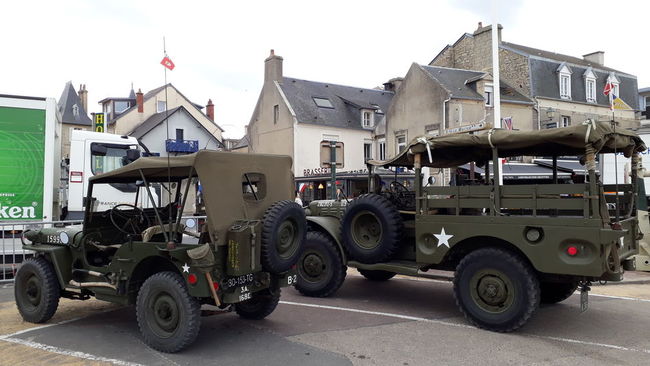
(401, 322)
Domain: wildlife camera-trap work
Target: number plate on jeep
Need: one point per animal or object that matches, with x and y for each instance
(242, 280)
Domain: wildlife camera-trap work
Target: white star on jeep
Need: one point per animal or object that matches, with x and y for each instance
(443, 238)
(186, 268)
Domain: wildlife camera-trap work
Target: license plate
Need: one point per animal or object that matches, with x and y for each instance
(242, 280)
(584, 301)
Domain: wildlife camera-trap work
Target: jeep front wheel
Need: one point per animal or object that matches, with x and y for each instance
(168, 317)
(320, 269)
(259, 306)
(496, 290)
(36, 290)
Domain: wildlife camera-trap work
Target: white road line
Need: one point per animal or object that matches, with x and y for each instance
(415, 318)
(67, 352)
(620, 297)
(38, 328)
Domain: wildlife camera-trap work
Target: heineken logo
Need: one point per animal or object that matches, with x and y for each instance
(16, 212)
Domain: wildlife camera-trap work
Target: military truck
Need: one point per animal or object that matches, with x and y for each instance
(142, 256)
(511, 246)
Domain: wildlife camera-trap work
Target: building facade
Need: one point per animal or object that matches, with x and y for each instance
(73, 108)
(565, 90)
(303, 118)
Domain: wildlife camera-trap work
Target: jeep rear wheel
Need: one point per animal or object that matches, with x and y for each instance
(371, 228)
(261, 305)
(554, 292)
(283, 233)
(496, 290)
(37, 290)
(168, 317)
(321, 270)
(376, 275)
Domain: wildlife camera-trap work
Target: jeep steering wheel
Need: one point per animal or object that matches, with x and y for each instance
(397, 187)
(129, 222)
(398, 192)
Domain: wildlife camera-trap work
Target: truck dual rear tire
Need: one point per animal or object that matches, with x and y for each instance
(321, 270)
(283, 232)
(371, 229)
(168, 317)
(37, 290)
(496, 289)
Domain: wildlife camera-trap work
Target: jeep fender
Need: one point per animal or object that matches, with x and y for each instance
(60, 257)
(330, 226)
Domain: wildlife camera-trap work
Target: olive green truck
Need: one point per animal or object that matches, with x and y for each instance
(511, 246)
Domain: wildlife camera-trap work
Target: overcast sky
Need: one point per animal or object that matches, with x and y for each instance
(219, 46)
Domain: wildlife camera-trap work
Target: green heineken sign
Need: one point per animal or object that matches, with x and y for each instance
(22, 159)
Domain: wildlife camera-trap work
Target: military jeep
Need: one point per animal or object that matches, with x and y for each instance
(147, 257)
(511, 246)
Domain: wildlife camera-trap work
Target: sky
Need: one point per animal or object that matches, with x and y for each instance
(219, 47)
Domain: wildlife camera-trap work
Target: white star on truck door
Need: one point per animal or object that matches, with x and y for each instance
(443, 238)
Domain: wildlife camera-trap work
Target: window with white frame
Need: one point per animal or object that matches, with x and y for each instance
(565, 81)
(161, 106)
(382, 149)
(615, 82)
(400, 142)
(590, 85)
(489, 95)
(565, 121)
(367, 118)
(367, 150)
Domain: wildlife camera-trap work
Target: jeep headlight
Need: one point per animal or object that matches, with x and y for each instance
(64, 237)
(24, 239)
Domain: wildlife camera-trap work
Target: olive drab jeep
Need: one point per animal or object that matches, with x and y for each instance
(511, 246)
(148, 257)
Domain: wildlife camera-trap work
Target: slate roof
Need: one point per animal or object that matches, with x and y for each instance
(346, 100)
(545, 83)
(70, 98)
(243, 142)
(459, 84)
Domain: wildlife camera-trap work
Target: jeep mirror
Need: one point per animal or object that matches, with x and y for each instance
(190, 223)
(430, 181)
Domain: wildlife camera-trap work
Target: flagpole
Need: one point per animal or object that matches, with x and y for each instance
(496, 87)
(169, 169)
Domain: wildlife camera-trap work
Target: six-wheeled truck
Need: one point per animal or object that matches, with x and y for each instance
(141, 256)
(511, 246)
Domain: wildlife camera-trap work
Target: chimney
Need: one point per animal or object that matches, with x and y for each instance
(273, 68)
(139, 100)
(488, 28)
(393, 84)
(597, 57)
(83, 96)
(209, 110)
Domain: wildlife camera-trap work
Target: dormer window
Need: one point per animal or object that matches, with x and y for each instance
(614, 81)
(565, 81)
(161, 106)
(75, 110)
(489, 95)
(367, 118)
(590, 86)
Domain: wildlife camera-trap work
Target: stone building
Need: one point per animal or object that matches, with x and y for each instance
(565, 89)
(434, 100)
(301, 118)
(73, 107)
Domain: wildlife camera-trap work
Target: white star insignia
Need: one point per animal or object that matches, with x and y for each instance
(186, 268)
(443, 238)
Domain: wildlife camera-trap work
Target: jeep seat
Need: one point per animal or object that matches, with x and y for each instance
(152, 231)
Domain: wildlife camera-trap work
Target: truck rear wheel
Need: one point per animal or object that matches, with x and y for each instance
(168, 317)
(554, 292)
(37, 290)
(376, 275)
(321, 270)
(496, 290)
(283, 233)
(371, 229)
(261, 305)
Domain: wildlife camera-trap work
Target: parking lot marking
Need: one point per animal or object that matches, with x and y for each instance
(415, 318)
(67, 352)
(621, 297)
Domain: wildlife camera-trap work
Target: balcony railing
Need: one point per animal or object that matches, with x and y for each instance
(182, 146)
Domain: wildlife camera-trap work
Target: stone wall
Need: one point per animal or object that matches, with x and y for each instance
(514, 70)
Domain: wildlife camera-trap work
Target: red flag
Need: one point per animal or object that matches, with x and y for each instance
(609, 88)
(167, 62)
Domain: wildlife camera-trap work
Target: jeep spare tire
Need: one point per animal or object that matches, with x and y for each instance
(283, 232)
(371, 228)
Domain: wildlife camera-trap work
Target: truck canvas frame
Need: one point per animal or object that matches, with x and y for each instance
(145, 256)
(511, 246)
